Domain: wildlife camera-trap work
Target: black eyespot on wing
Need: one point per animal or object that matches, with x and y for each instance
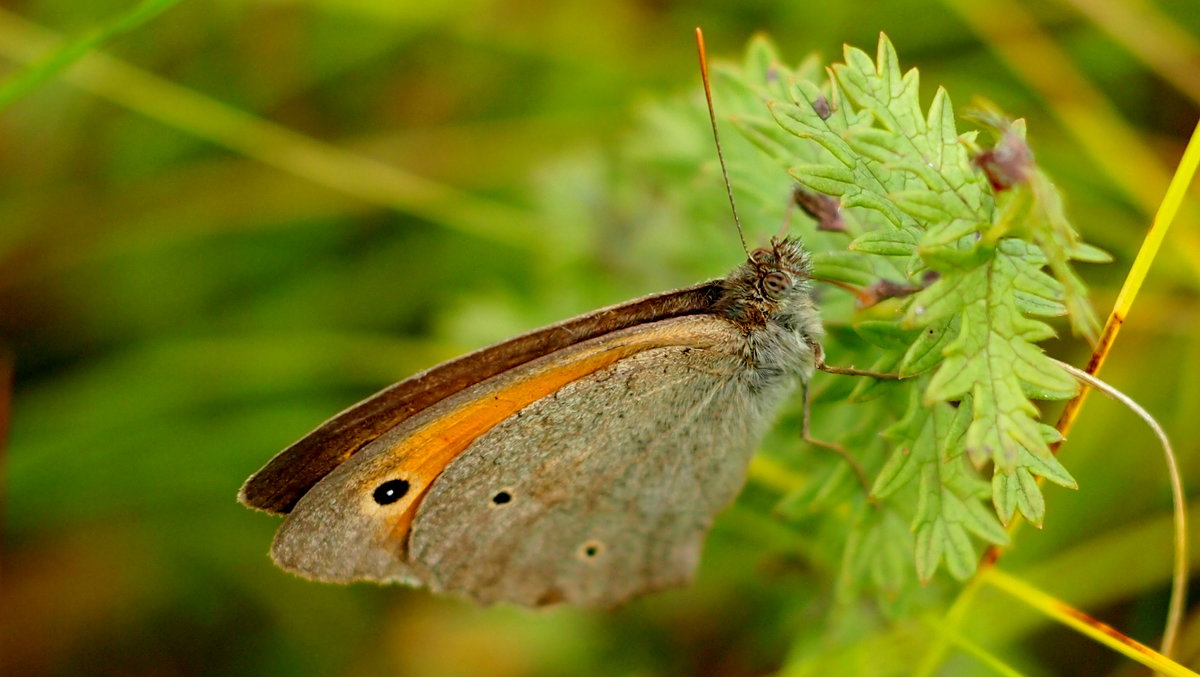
(501, 498)
(390, 491)
(591, 550)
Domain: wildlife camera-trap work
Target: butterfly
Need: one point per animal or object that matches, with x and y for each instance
(580, 463)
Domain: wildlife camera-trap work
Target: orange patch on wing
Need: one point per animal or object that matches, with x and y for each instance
(429, 449)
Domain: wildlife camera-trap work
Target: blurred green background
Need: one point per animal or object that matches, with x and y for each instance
(187, 288)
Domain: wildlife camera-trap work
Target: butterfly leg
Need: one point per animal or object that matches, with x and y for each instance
(832, 446)
(819, 360)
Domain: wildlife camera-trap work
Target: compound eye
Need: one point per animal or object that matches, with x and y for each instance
(760, 256)
(775, 284)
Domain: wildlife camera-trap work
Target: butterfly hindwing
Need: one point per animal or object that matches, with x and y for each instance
(597, 493)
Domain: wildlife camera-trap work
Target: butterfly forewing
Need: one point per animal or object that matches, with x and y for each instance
(290, 474)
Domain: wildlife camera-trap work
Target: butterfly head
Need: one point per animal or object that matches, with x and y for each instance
(772, 286)
(781, 270)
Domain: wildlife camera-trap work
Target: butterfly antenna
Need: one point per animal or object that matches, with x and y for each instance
(712, 118)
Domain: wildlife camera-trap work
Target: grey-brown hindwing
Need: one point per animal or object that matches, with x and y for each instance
(601, 491)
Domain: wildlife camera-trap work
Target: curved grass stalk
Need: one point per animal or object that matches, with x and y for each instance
(1180, 565)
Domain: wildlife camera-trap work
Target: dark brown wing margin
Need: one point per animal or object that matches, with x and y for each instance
(287, 477)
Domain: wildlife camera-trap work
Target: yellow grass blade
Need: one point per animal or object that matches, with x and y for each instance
(1167, 212)
(1077, 620)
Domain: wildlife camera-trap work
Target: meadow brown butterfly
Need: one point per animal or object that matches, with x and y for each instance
(580, 463)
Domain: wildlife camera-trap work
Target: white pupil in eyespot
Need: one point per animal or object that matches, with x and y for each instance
(390, 491)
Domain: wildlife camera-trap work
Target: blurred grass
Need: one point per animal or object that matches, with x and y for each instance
(273, 145)
(185, 295)
(55, 62)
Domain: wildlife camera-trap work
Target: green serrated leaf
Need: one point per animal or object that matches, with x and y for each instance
(830, 180)
(899, 470)
(1038, 306)
(885, 242)
(929, 207)
(768, 138)
(949, 496)
(1042, 375)
(878, 549)
(930, 543)
(803, 121)
(762, 60)
(951, 424)
(1035, 207)
(886, 335)
(870, 389)
(1050, 434)
(960, 554)
(983, 523)
(1004, 496)
(962, 257)
(1018, 491)
(919, 195)
(1030, 501)
(843, 267)
(927, 350)
(1034, 282)
(1086, 253)
(993, 360)
(875, 144)
(1047, 465)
